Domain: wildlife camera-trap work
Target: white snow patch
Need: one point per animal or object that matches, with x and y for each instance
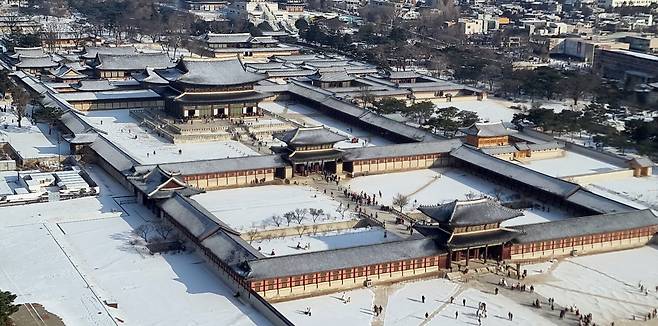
(172, 289)
(607, 285)
(253, 207)
(331, 309)
(405, 306)
(121, 129)
(498, 306)
(35, 269)
(570, 164)
(30, 141)
(324, 241)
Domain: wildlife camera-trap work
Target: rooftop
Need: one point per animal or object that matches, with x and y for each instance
(470, 212)
(309, 136)
(210, 73)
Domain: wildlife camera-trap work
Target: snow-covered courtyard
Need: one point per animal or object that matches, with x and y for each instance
(642, 190)
(312, 117)
(438, 186)
(71, 256)
(121, 129)
(331, 309)
(253, 207)
(324, 241)
(31, 141)
(606, 285)
(167, 289)
(35, 268)
(570, 164)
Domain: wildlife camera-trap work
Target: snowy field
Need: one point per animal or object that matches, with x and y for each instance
(30, 141)
(498, 306)
(570, 164)
(331, 309)
(121, 129)
(93, 233)
(489, 110)
(36, 269)
(324, 241)
(425, 187)
(405, 306)
(168, 289)
(438, 186)
(643, 190)
(253, 207)
(312, 117)
(606, 284)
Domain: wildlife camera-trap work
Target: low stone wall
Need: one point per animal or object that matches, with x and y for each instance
(7, 165)
(585, 179)
(307, 229)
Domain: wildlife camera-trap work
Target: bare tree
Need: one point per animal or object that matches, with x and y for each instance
(315, 213)
(342, 210)
(163, 230)
(289, 216)
(301, 229)
(365, 96)
(143, 231)
(498, 193)
(300, 214)
(277, 220)
(471, 195)
(315, 228)
(251, 235)
(400, 200)
(20, 100)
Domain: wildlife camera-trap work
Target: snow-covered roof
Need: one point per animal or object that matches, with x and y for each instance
(342, 258)
(513, 171)
(210, 73)
(309, 136)
(398, 150)
(225, 165)
(110, 95)
(133, 61)
(469, 212)
(579, 226)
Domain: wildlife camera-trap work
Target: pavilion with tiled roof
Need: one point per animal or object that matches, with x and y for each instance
(311, 149)
(470, 228)
(211, 88)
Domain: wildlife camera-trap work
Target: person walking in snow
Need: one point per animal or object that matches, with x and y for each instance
(456, 314)
(464, 302)
(422, 298)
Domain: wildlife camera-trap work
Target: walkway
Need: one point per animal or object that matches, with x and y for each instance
(317, 181)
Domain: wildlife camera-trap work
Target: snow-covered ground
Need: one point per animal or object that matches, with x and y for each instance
(425, 187)
(438, 186)
(94, 235)
(331, 309)
(606, 285)
(312, 117)
(121, 129)
(30, 141)
(405, 306)
(498, 306)
(33, 266)
(168, 289)
(253, 207)
(570, 164)
(324, 241)
(643, 190)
